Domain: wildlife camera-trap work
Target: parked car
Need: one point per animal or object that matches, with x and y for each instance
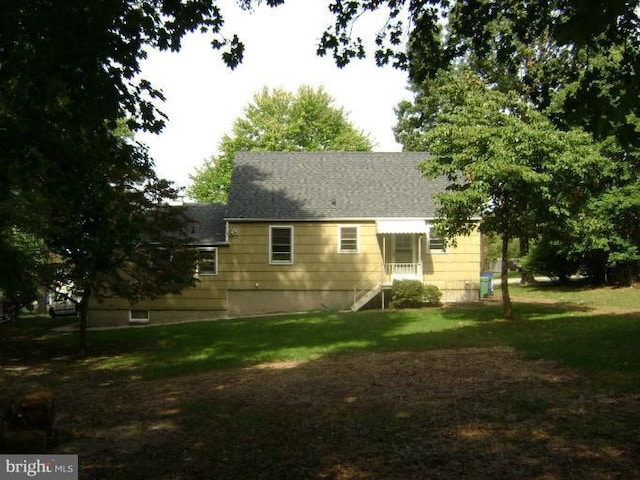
(62, 304)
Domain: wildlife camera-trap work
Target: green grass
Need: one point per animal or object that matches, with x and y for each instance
(592, 343)
(351, 416)
(202, 346)
(580, 293)
(570, 333)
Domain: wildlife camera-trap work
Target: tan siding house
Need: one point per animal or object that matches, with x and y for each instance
(310, 231)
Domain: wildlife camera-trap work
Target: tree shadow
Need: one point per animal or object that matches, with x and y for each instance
(471, 413)
(249, 197)
(404, 403)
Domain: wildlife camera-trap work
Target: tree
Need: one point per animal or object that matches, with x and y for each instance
(278, 120)
(510, 168)
(21, 258)
(576, 61)
(106, 229)
(68, 75)
(412, 36)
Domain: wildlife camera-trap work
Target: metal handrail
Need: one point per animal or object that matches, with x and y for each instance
(361, 288)
(385, 271)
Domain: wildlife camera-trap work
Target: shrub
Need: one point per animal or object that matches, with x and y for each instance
(407, 293)
(432, 294)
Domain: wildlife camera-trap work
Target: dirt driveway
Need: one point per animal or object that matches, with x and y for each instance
(456, 414)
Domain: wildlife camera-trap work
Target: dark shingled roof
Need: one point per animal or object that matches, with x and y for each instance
(330, 185)
(209, 226)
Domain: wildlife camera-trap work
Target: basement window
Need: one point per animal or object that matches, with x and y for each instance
(138, 316)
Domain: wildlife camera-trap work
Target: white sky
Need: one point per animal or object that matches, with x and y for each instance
(204, 97)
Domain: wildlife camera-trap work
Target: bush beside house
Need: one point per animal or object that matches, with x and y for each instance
(413, 294)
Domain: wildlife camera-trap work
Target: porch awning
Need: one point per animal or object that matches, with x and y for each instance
(401, 226)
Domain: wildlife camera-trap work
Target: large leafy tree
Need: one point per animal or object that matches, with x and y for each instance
(278, 120)
(22, 256)
(576, 61)
(103, 223)
(509, 166)
(69, 72)
(109, 232)
(513, 32)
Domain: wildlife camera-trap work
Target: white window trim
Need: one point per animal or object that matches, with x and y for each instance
(139, 320)
(280, 262)
(207, 249)
(351, 252)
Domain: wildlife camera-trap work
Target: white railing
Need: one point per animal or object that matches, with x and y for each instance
(403, 270)
(385, 274)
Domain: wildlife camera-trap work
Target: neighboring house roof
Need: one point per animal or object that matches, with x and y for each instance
(330, 185)
(209, 226)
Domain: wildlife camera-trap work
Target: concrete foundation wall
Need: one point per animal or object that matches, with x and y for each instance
(243, 303)
(460, 296)
(258, 302)
(120, 318)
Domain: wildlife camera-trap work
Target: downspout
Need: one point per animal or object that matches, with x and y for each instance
(384, 267)
(384, 257)
(420, 258)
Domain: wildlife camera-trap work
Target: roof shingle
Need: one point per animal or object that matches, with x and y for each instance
(209, 226)
(330, 185)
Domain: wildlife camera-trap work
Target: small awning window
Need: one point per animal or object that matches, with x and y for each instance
(401, 226)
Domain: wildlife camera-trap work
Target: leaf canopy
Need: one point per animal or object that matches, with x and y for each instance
(278, 121)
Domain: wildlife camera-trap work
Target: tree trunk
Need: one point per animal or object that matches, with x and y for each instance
(83, 308)
(507, 310)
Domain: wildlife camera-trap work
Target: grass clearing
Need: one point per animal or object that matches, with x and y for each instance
(197, 347)
(442, 393)
(579, 293)
(583, 339)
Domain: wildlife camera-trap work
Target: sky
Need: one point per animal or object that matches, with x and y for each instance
(204, 97)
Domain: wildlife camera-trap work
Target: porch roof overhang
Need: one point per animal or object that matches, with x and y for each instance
(401, 226)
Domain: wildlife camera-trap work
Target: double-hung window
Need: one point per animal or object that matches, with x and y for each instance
(348, 239)
(436, 242)
(207, 261)
(281, 245)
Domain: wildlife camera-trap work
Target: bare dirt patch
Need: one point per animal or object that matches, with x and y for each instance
(468, 413)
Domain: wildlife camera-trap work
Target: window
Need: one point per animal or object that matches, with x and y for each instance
(281, 245)
(404, 249)
(139, 316)
(207, 261)
(436, 242)
(348, 239)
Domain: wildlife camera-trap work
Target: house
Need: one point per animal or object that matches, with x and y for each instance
(313, 230)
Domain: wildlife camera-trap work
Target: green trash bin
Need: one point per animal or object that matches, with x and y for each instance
(486, 284)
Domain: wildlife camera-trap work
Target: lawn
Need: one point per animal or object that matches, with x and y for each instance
(580, 293)
(437, 393)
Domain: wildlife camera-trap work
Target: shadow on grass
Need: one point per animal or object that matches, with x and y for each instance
(570, 335)
(576, 337)
(435, 407)
(472, 413)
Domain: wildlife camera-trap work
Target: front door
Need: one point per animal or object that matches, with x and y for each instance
(404, 251)
(405, 257)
